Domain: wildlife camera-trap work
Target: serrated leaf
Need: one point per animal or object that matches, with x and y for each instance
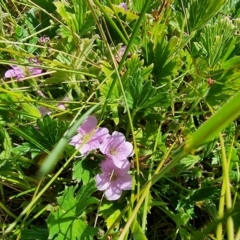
(161, 55)
(80, 173)
(202, 11)
(47, 133)
(137, 5)
(204, 193)
(189, 161)
(51, 129)
(135, 87)
(83, 197)
(110, 212)
(80, 9)
(226, 85)
(216, 41)
(30, 134)
(108, 71)
(65, 224)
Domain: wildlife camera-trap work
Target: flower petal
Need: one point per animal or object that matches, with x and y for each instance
(89, 124)
(17, 72)
(120, 163)
(101, 134)
(113, 192)
(35, 71)
(124, 150)
(101, 182)
(76, 140)
(125, 183)
(107, 165)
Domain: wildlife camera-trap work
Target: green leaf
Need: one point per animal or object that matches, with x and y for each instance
(51, 129)
(32, 135)
(137, 232)
(49, 132)
(83, 197)
(216, 41)
(65, 224)
(7, 144)
(46, 5)
(137, 5)
(135, 87)
(184, 234)
(80, 9)
(110, 212)
(163, 56)
(204, 193)
(189, 161)
(35, 233)
(74, 14)
(202, 11)
(144, 96)
(80, 173)
(108, 71)
(227, 82)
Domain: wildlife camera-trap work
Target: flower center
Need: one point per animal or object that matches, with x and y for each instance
(113, 151)
(113, 176)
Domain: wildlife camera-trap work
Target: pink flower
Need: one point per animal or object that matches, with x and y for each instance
(123, 5)
(21, 72)
(113, 179)
(62, 105)
(89, 137)
(43, 39)
(116, 148)
(16, 71)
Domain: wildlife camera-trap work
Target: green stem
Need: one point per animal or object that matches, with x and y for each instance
(119, 20)
(3, 207)
(226, 182)
(111, 21)
(219, 231)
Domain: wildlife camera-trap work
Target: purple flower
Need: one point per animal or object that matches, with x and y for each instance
(16, 71)
(116, 148)
(43, 39)
(89, 137)
(44, 111)
(113, 179)
(122, 51)
(62, 105)
(123, 5)
(21, 72)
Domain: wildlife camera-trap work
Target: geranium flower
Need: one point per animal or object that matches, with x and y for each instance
(113, 179)
(43, 39)
(123, 5)
(116, 148)
(15, 72)
(89, 137)
(21, 72)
